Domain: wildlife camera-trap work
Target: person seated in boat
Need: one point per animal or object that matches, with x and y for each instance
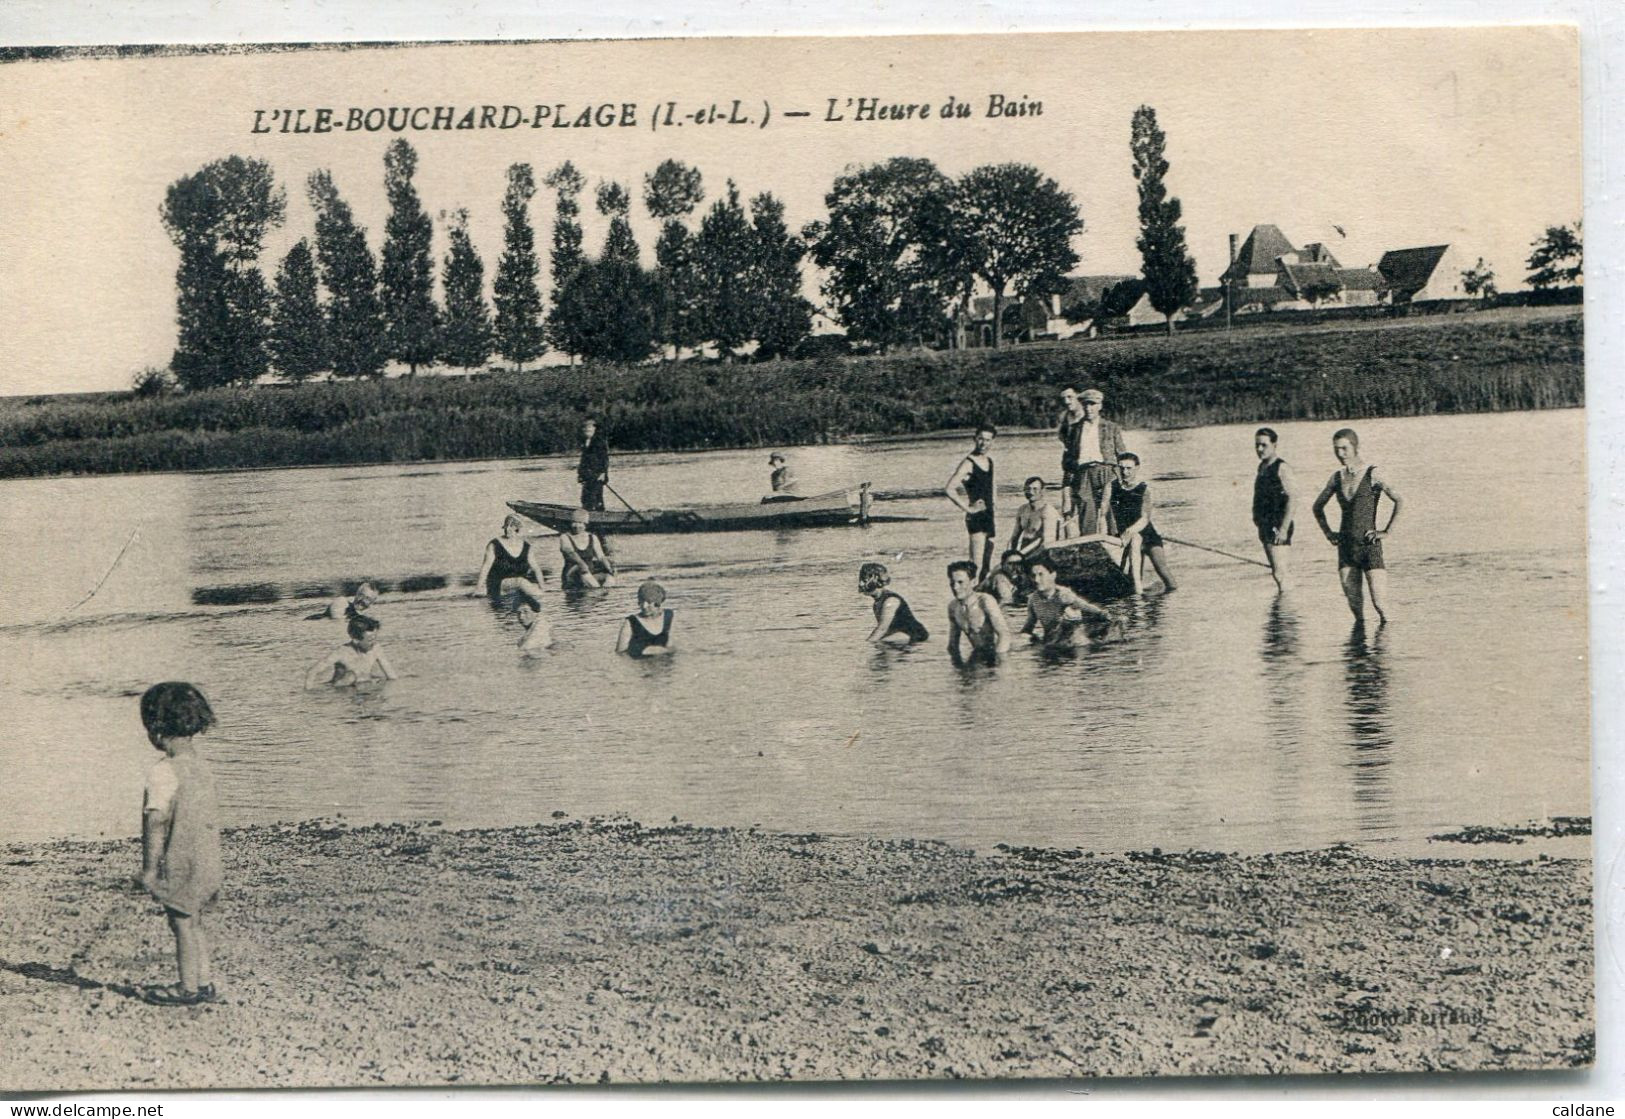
(782, 482)
(342, 609)
(648, 632)
(586, 560)
(358, 661)
(537, 636)
(895, 623)
(1009, 583)
(1038, 523)
(1130, 503)
(509, 567)
(975, 616)
(1056, 614)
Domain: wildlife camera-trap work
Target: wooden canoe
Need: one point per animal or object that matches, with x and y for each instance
(838, 507)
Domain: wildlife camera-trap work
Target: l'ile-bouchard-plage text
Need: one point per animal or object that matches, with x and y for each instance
(633, 114)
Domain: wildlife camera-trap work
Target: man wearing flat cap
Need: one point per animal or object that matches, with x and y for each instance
(1090, 446)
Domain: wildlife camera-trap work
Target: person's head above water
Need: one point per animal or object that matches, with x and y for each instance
(175, 709)
(361, 628)
(512, 521)
(651, 593)
(871, 577)
(961, 578)
(775, 459)
(580, 519)
(365, 595)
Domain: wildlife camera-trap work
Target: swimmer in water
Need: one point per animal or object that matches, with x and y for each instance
(358, 661)
(638, 636)
(538, 637)
(895, 623)
(975, 616)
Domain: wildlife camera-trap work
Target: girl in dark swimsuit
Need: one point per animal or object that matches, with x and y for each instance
(637, 637)
(509, 567)
(586, 559)
(893, 618)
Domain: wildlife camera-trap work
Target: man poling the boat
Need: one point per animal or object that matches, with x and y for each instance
(593, 469)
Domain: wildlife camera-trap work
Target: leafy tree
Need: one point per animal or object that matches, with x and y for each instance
(298, 348)
(1169, 271)
(1549, 262)
(884, 250)
(152, 381)
(465, 338)
(355, 317)
(724, 257)
(606, 311)
(783, 317)
(1479, 280)
(567, 255)
(408, 268)
(1014, 227)
(517, 298)
(670, 193)
(218, 218)
(1311, 290)
(616, 204)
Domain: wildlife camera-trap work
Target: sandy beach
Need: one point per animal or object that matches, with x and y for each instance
(612, 952)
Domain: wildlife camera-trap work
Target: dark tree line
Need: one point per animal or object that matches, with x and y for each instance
(903, 250)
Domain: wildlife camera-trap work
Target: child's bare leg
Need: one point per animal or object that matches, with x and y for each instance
(1350, 578)
(187, 949)
(1277, 555)
(978, 548)
(1134, 564)
(1377, 582)
(1159, 561)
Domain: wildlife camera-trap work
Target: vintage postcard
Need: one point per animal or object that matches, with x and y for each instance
(800, 559)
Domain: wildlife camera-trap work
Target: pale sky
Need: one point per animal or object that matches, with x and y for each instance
(1403, 137)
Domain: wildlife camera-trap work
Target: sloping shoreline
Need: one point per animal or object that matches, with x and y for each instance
(612, 952)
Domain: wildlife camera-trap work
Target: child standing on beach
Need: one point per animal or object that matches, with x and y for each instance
(180, 836)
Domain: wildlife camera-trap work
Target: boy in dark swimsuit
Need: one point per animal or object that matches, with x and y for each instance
(1273, 503)
(1358, 539)
(1130, 505)
(970, 487)
(893, 618)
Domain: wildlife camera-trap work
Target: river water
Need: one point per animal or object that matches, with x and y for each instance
(1229, 719)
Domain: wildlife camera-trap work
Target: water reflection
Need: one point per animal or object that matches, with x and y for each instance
(1365, 675)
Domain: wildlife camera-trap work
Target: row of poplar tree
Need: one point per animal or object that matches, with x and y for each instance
(903, 250)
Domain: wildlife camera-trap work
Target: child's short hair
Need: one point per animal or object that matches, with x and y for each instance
(652, 593)
(1043, 561)
(966, 566)
(1039, 478)
(989, 428)
(359, 625)
(1129, 456)
(1346, 433)
(872, 576)
(1267, 433)
(175, 710)
(1012, 554)
(512, 518)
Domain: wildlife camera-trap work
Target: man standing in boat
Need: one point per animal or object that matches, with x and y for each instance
(1273, 503)
(1357, 487)
(971, 488)
(593, 469)
(1090, 446)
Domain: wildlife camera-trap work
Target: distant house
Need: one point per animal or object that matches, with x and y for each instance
(1043, 316)
(1428, 272)
(1256, 261)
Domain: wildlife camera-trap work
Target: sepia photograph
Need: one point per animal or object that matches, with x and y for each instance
(803, 559)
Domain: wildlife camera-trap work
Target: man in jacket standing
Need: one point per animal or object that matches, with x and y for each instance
(593, 470)
(1090, 446)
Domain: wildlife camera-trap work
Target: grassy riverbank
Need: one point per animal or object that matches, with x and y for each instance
(610, 952)
(1490, 361)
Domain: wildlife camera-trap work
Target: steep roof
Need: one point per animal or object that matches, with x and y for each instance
(1297, 278)
(1318, 253)
(1408, 270)
(1361, 279)
(1258, 252)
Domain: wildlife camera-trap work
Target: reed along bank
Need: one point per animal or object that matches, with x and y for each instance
(1505, 360)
